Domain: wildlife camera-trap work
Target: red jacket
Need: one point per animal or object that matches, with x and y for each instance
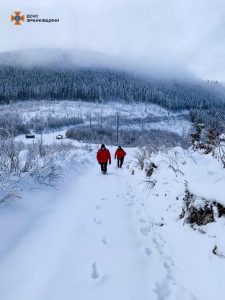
(103, 156)
(120, 153)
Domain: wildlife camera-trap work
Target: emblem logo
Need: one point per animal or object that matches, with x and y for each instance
(17, 18)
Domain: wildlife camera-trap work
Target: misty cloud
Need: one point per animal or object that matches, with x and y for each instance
(158, 35)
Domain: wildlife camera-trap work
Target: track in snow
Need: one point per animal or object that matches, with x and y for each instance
(87, 248)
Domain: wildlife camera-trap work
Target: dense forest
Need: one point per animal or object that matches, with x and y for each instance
(204, 99)
(18, 83)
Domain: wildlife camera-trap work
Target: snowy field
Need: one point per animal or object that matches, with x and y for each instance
(140, 115)
(117, 236)
(80, 108)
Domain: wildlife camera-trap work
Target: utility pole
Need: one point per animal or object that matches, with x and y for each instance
(90, 120)
(101, 117)
(117, 126)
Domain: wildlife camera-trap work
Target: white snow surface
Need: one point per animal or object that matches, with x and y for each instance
(109, 237)
(67, 109)
(59, 109)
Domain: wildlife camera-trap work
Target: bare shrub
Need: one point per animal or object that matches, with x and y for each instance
(173, 163)
(220, 153)
(141, 156)
(37, 164)
(149, 184)
(9, 168)
(47, 174)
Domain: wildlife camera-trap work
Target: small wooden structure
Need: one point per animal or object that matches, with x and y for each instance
(30, 136)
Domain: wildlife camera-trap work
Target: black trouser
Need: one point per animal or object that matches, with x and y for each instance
(103, 167)
(120, 162)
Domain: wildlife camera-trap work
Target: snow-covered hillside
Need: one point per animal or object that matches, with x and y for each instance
(118, 236)
(53, 115)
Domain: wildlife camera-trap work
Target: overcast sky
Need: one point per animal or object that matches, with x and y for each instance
(170, 34)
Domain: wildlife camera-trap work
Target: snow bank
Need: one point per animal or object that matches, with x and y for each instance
(188, 262)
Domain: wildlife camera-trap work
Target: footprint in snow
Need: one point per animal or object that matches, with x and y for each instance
(141, 220)
(96, 221)
(148, 252)
(145, 230)
(97, 207)
(104, 241)
(96, 275)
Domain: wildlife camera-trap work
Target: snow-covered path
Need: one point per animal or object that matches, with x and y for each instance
(102, 237)
(86, 248)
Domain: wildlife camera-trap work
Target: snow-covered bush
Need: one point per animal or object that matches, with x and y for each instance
(40, 124)
(207, 140)
(154, 139)
(36, 164)
(96, 135)
(150, 168)
(200, 211)
(11, 124)
(9, 167)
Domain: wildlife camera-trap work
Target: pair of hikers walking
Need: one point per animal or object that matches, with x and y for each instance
(104, 157)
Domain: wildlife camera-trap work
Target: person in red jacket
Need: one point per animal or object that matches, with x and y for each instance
(103, 157)
(120, 154)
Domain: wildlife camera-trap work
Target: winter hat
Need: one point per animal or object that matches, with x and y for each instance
(102, 146)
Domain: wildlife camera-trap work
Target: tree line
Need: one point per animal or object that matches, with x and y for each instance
(18, 83)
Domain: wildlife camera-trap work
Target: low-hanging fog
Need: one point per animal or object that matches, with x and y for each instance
(176, 37)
